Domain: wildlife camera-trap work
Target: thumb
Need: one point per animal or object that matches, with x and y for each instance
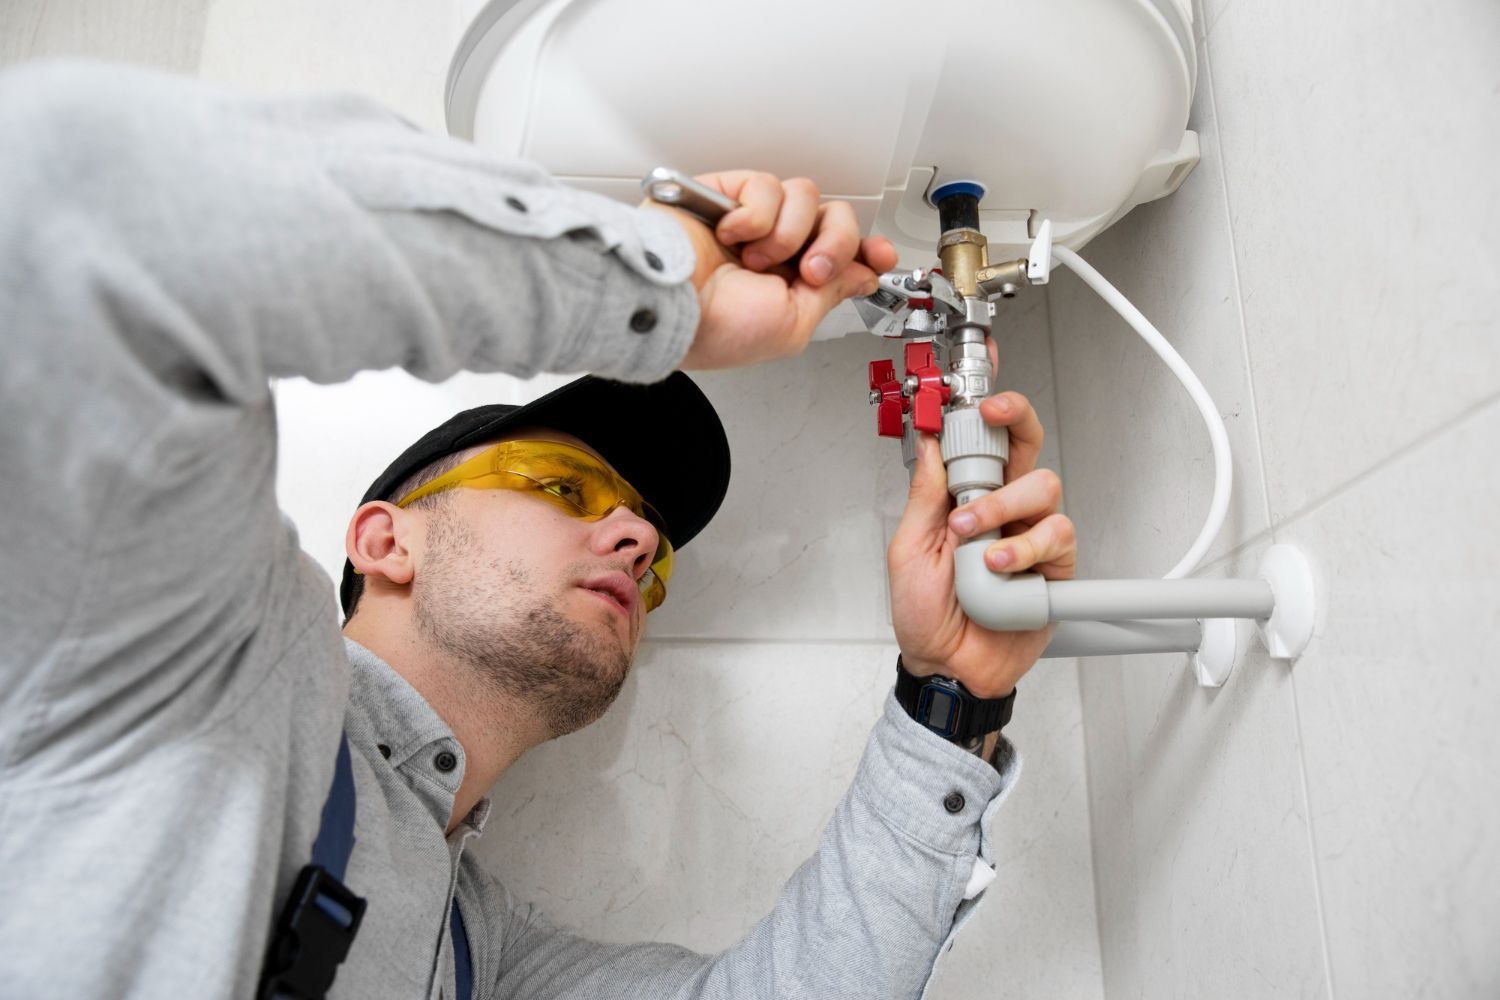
(815, 302)
(927, 503)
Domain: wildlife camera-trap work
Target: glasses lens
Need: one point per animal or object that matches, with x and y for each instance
(576, 482)
(654, 583)
(572, 478)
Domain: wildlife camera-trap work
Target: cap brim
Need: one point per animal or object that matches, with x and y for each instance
(665, 439)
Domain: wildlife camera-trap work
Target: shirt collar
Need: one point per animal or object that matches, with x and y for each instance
(396, 714)
(388, 714)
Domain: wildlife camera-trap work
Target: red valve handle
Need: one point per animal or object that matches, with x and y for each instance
(892, 404)
(931, 395)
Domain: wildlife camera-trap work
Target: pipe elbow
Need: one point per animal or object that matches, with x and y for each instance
(998, 601)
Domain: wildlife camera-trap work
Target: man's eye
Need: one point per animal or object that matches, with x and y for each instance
(567, 489)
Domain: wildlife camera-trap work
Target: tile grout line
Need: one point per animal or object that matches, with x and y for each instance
(1239, 293)
(1088, 800)
(1265, 492)
(1312, 836)
(1400, 452)
(1062, 470)
(1088, 777)
(1258, 538)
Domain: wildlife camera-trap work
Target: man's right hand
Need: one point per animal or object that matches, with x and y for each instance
(934, 633)
(755, 306)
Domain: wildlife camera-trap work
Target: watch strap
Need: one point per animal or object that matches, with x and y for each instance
(933, 702)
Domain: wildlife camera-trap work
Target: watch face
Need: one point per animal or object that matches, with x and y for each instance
(938, 710)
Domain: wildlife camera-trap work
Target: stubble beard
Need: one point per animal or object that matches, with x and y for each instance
(509, 630)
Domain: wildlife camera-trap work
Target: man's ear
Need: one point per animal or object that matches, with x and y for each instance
(378, 543)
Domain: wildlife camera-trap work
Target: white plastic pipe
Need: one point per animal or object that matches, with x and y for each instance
(1124, 600)
(1120, 638)
(1223, 467)
(1025, 601)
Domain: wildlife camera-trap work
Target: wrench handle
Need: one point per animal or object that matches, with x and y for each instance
(673, 187)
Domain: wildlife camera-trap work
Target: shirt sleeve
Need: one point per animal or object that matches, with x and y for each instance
(866, 916)
(165, 249)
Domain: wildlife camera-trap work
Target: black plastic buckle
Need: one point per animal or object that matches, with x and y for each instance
(317, 926)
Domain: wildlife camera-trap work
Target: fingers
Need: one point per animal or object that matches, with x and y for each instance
(1031, 498)
(778, 220)
(879, 254)
(835, 246)
(925, 519)
(813, 302)
(1049, 547)
(794, 220)
(1014, 411)
(1049, 543)
(759, 195)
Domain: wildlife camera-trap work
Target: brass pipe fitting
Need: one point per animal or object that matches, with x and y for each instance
(1002, 279)
(963, 253)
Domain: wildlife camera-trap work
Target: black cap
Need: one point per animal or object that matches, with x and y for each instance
(664, 438)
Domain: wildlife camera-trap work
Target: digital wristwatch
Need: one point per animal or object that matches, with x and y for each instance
(945, 707)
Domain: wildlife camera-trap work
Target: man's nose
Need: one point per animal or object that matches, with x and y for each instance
(624, 531)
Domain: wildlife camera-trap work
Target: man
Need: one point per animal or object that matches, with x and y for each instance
(175, 698)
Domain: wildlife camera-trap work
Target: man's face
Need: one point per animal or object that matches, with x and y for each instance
(544, 604)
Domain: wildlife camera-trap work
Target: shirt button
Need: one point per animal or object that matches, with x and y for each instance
(385, 751)
(516, 204)
(644, 321)
(653, 261)
(954, 802)
(445, 761)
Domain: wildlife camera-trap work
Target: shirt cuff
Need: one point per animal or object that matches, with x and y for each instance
(932, 790)
(641, 325)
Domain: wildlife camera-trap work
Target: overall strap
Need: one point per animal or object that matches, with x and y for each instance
(463, 971)
(321, 917)
(336, 833)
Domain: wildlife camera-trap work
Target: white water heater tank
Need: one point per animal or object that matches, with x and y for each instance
(1070, 110)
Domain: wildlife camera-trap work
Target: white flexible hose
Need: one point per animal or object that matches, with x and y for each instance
(1223, 469)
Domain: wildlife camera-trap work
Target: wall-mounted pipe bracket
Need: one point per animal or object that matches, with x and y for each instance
(1226, 643)
(1290, 628)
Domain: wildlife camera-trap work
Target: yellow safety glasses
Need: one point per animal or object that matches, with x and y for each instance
(571, 479)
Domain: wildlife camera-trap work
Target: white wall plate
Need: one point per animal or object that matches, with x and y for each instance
(1289, 629)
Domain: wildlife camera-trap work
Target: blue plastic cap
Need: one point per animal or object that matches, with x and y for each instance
(957, 187)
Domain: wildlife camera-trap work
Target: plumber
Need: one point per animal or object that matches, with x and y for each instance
(206, 788)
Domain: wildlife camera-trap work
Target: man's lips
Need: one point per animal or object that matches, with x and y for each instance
(617, 588)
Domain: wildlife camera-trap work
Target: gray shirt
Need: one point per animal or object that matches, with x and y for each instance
(173, 682)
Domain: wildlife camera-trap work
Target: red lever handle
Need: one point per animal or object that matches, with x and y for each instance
(892, 403)
(931, 395)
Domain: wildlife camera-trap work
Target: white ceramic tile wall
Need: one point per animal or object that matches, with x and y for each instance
(683, 811)
(1399, 697)
(394, 50)
(1333, 828)
(1201, 845)
(1038, 936)
(1359, 151)
(166, 34)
